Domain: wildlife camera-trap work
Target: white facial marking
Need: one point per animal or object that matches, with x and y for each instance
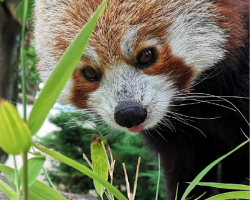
(151, 43)
(125, 83)
(91, 53)
(194, 35)
(128, 41)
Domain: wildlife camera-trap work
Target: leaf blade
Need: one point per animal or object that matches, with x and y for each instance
(7, 190)
(34, 168)
(231, 195)
(225, 186)
(13, 130)
(99, 163)
(38, 191)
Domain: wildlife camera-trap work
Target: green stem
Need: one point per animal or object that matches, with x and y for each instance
(25, 176)
(25, 10)
(159, 175)
(17, 179)
(46, 174)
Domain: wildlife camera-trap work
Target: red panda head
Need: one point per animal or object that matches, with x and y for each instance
(139, 57)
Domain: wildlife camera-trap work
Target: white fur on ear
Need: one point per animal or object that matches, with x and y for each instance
(47, 24)
(128, 41)
(196, 36)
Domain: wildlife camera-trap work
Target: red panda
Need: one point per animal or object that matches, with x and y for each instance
(174, 70)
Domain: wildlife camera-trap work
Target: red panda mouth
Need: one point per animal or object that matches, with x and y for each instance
(136, 129)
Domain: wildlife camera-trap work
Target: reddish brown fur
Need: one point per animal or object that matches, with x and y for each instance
(82, 88)
(173, 67)
(233, 17)
(108, 35)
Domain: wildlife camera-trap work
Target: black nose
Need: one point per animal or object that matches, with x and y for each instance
(129, 114)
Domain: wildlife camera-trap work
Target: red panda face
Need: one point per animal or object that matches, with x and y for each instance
(140, 56)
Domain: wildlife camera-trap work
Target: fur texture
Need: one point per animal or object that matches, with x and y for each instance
(195, 93)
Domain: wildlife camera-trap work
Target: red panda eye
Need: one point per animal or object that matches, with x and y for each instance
(145, 58)
(90, 74)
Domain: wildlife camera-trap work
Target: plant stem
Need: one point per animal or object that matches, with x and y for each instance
(17, 179)
(24, 100)
(47, 176)
(25, 176)
(159, 175)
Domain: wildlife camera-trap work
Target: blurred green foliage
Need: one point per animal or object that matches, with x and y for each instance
(31, 61)
(75, 138)
(20, 8)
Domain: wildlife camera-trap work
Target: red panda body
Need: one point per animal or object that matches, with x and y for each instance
(177, 71)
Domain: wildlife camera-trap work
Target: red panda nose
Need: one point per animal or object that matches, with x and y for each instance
(129, 114)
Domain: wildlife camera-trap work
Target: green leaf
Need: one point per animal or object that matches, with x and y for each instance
(7, 190)
(226, 186)
(62, 73)
(20, 8)
(82, 169)
(14, 132)
(34, 167)
(100, 164)
(204, 171)
(109, 197)
(38, 191)
(159, 176)
(9, 174)
(231, 195)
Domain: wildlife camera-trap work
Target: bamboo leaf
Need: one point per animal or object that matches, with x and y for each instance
(14, 132)
(20, 8)
(82, 169)
(62, 73)
(7, 190)
(9, 174)
(226, 186)
(159, 176)
(231, 195)
(99, 163)
(109, 197)
(204, 171)
(38, 191)
(34, 168)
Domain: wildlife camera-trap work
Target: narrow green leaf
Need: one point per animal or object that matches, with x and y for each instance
(9, 174)
(38, 191)
(100, 164)
(82, 169)
(20, 8)
(159, 176)
(62, 73)
(109, 197)
(176, 193)
(34, 168)
(7, 190)
(226, 186)
(14, 132)
(231, 195)
(204, 171)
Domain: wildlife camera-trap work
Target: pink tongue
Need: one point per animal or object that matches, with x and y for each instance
(136, 129)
